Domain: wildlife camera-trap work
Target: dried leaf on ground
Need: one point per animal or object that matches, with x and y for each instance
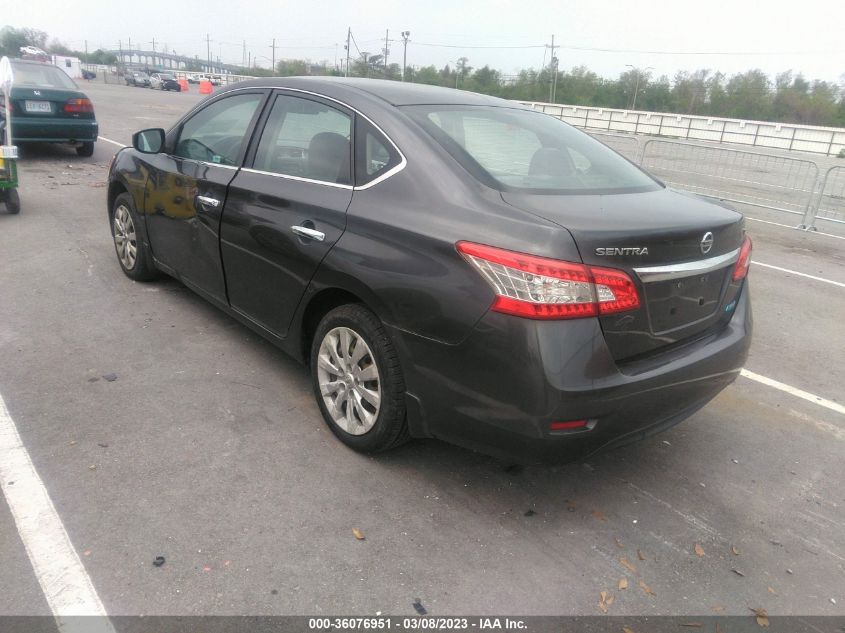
(626, 629)
(737, 572)
(623, 584)
(618, 543)
(605, 601)
(646, 588)
(717, 607)
(358, 534)
(598, 514)
(734, 550)
(699, 551)
(772, 591)
(640, 554)
(627, 564)
(762, 617)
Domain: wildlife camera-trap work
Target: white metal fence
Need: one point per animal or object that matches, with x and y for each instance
(828, 141)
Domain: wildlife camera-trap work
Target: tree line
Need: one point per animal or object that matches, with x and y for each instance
(789, 98)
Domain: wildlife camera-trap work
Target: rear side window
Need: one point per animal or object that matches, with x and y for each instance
(216, 133)
(374, 154)
(306, 139)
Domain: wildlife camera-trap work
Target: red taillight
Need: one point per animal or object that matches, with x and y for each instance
(744, 261)
(543, 288)
(76, 106)
(568, 426)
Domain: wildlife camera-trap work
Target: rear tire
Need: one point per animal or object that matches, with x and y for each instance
(13, 201)
(133, 255)
(86, 149)
(358, 381)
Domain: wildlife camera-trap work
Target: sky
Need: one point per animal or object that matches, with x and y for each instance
(604, 35)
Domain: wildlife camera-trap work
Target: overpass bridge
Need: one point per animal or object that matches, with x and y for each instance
(159, 59)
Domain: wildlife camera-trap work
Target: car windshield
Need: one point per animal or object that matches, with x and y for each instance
(524, 151)
(42, 76)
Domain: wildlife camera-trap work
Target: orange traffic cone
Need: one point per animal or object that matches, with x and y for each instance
(205, 88)
(183, 85)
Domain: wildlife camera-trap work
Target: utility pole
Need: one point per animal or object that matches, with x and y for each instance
(208, 52)
(86, 52)
(386, 50)
(243, 59)
(348, 38)
(553, 68)
(274, 55)
(406, 36)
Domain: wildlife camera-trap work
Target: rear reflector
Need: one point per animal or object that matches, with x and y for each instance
(79, 105)
(744, 261)
(542, 288)
(568, 426)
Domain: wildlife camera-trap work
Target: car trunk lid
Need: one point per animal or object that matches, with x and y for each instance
(679, 249)
(46, 102)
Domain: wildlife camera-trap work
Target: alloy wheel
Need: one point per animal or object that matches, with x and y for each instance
(349, 380)
(124, 237)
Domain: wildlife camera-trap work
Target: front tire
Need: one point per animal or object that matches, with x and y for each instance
(13, 201)
(358, 381)
(134, 256)
(86, 149)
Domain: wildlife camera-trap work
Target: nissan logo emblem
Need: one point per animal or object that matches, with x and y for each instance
(706, 242)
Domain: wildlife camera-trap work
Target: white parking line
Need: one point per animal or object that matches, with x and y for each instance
(795, 272)
(792, 226)
(63, 579)
(794, 391)
(108, 140)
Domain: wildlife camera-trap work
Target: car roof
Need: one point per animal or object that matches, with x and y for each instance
(31, 62)
(396, 93)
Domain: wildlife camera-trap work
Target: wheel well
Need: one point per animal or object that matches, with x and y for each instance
(115, 189)
(322, 303)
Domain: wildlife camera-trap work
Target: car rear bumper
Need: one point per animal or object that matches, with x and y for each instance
(498, 391)
(44, 130)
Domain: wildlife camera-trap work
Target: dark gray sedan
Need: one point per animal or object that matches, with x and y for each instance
(448, 264)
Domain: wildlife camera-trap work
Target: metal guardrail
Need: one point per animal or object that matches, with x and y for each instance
(798, 186)
(765, 180)
(830, 203)
(766, 135)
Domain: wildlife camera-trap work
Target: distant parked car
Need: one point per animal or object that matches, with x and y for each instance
(164, 81)
(48, 107)
(137, 78)
(88, 74)
(216, 80)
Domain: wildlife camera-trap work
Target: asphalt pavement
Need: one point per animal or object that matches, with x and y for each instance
(209, 450)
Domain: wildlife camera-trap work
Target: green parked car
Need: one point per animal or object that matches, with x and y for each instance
(48, 107)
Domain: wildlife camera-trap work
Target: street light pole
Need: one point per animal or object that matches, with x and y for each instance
(406, 36)
(636, 84)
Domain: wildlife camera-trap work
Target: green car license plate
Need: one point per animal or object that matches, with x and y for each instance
(38, 106)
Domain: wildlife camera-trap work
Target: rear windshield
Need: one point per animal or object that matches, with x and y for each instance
(164, 76)
(42, 76)
(525, 151)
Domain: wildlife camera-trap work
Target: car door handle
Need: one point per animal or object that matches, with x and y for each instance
(208, 202)
(313, 234)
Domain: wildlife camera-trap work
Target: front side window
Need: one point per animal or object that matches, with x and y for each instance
(525, 151)
(217, 133)
(306, 139)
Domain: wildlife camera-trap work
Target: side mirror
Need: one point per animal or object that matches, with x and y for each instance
(149, 141)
